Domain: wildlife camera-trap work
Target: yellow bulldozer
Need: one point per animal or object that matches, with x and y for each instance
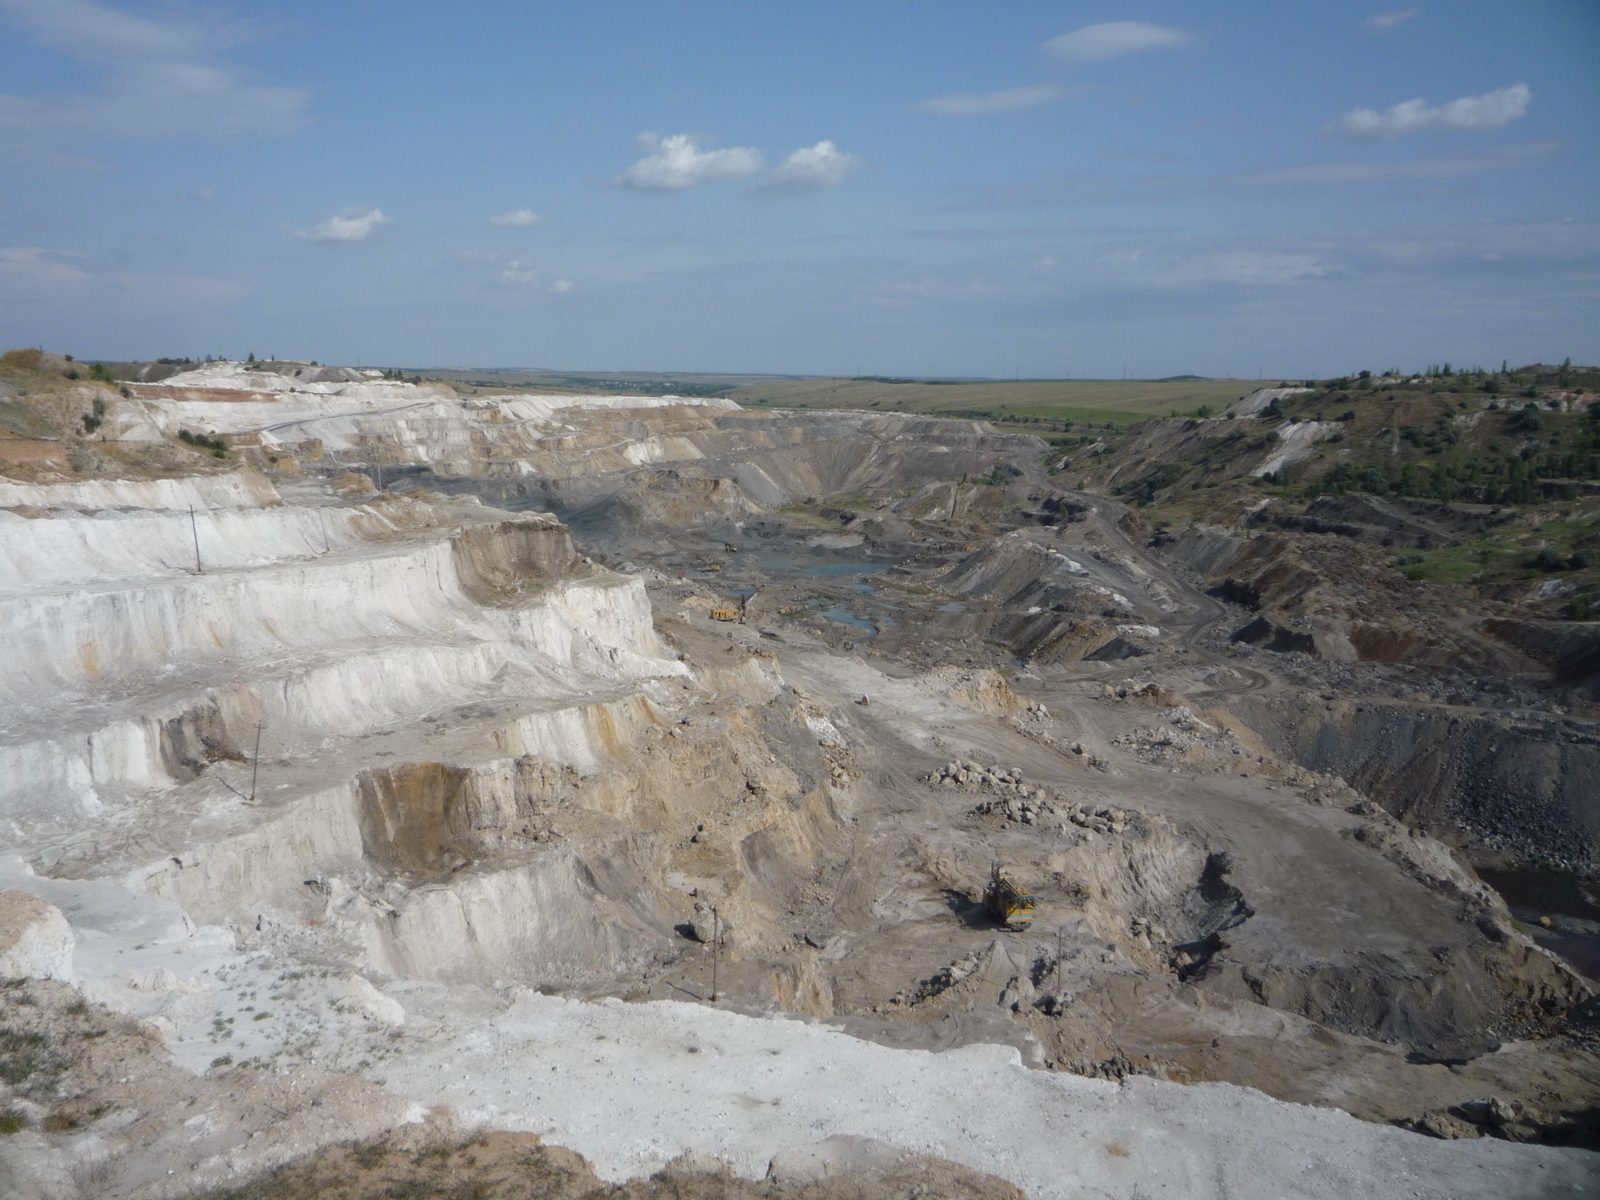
(1006, 900)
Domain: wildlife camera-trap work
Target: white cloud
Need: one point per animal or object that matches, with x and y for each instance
(811, 168)
(347, 225)
(1115, 38)
(1386, 21)
(519, 274)
(161, 78)
(1492, 110)
(982, 104)
(1509, 158)
(678, 162)
(522, 216)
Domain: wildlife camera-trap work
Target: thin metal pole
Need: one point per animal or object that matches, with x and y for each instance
(195, 530)
(716, 936)
(1058, 960)
(255, 763)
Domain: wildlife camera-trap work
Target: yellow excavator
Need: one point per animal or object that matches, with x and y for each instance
(1006, 900)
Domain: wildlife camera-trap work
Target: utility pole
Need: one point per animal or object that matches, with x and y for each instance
(716, 937)
(195, 530)
(255, 763)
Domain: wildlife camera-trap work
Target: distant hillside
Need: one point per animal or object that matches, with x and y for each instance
(1049, 402)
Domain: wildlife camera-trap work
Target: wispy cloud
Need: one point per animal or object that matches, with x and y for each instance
(518, 274)
(811, 168)
(1385, 21)
(1508, 158)
(37, 265)
(34, 277)
(983, 104)
(678, 162)
(1492, 110)
(161, 78)
(519, 217)
(347, 225)
(1243, 267)
(1116, 38)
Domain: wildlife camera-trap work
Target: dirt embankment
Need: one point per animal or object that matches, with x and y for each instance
(1492, 784)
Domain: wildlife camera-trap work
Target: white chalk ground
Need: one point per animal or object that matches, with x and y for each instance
(286, 409)
(1295, 441)
(631, 1086)
(1257, 401)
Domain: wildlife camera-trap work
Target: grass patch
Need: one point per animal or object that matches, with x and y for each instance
(854, 501)
(1449, 565)
(24, 1056)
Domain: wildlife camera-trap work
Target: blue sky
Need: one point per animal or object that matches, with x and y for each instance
(912, 189)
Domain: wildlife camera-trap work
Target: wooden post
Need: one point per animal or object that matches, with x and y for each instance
(195, 530)
(255, 763)
(716, 937)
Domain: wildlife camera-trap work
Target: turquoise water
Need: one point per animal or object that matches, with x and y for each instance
(846, 617)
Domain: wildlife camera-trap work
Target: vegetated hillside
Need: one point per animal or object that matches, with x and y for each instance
(615, 383)
(1479, 478)
(62, 420)
(1050, 404)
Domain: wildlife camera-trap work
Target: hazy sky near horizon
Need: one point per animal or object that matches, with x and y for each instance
(1055, 189)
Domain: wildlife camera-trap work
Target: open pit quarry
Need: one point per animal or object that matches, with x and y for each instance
(381, 764)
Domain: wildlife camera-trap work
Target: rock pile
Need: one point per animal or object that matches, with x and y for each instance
(1099, 820)
(1018, 801)
(1509, 1120)
(1013, 808)
(968, 773)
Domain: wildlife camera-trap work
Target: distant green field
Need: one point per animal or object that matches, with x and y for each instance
(1095, 401)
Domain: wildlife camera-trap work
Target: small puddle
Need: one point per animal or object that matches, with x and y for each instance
(954, 606)
(785, 567)
(846, 617)
(1571, 904)
(864, 588)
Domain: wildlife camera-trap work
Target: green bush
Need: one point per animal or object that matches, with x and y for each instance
(215, 446)
(22, 1055)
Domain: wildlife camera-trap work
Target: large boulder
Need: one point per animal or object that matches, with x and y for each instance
(35, 940)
